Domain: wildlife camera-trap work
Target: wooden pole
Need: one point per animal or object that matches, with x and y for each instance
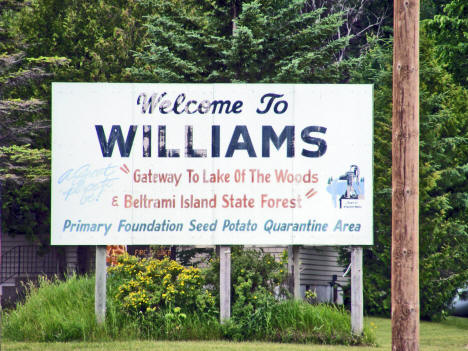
(290, 270)
(100, 285)
(296, 273)
(405, 177)
(357, 296)
(225, 283)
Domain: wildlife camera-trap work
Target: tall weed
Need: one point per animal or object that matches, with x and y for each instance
(54, 311)
(299, 321)
(292, 321)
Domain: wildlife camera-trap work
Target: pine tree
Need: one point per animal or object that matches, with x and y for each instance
(244, 41)
(24, 128)
(449, 29)
(98, 37)
(23, 111)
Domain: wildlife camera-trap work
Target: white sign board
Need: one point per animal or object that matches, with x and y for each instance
(200, 164)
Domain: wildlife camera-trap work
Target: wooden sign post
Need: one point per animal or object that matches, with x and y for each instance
(405, 177)
(225, 282)
(294, 284)
(100, 284)
(296, 272)
(357, 296)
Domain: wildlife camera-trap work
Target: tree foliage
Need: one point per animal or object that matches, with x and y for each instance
(449, 29)
(270, 41)
(97, 37)
(23, 111)
(443, 188)
(25, 192)
(24, 129)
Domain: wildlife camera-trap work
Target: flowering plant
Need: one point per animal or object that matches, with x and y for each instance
(148, 286)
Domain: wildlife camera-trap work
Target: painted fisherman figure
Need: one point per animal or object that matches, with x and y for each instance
(352, 178)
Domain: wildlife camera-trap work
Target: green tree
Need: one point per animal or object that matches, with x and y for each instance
(24, 129)
(443, 189)
(97, 37)
(449, 29)
(23, 111)
(25, 193)
(250, 41)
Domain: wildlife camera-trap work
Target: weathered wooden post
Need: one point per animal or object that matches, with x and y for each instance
(294, 284)
(290, 270)
(100, 284)
(225, 282)
(296, 272)
(357, 297)
(405, 177)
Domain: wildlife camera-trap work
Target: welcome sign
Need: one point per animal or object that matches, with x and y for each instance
(200, 164)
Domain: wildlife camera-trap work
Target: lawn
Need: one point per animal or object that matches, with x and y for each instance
(449, 335)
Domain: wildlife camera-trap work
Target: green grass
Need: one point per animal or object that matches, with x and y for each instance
(299, 322)
(448, 335)
(55, 311)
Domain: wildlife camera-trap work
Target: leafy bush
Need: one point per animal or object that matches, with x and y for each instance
(251, 269)
(256, 279)
(165, 299)
(253, 273)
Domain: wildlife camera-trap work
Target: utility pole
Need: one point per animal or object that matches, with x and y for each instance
(405, 177)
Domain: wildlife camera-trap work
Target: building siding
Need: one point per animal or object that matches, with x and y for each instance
(318, 265)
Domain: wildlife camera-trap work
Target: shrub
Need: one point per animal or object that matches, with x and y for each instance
(165, 299)
(252, 272)
(256, 279)
(257, 283)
